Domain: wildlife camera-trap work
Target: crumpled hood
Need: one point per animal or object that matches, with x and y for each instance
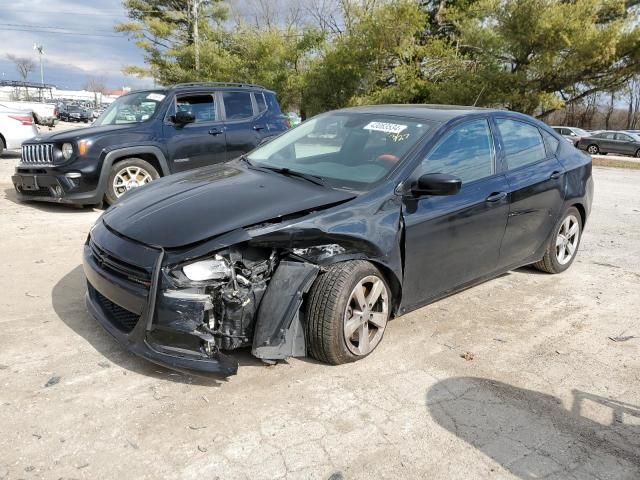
(200, 204)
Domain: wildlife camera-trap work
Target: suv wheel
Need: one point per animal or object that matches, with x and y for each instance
(347, 312)
(128, 174)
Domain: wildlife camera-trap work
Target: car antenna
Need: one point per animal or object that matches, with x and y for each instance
(478, 97)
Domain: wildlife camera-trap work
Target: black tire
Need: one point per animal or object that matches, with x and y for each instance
(111, 196)
(593, 149)
(550, 262)
(1, 146)
(637, 155)
(326, 305)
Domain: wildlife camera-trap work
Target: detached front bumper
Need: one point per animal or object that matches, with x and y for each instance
(52, 185)
(127, 310)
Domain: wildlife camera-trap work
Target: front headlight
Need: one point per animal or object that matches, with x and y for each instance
(212, 269)
(67, 150)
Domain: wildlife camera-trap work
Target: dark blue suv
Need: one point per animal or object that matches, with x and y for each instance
(145, 135)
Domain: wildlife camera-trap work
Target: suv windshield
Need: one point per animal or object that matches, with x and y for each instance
(133, 108)
(346, 149)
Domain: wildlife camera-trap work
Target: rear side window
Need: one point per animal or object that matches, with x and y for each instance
(202, 106)
(466, 152)
(522, 142)
(262, 104)
(272, 102)
(550, 142)
(237, 105)
(623, 137)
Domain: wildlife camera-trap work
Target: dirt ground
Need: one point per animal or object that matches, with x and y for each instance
(553, 390)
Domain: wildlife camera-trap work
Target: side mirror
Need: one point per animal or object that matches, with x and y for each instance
(437, 184)
(184, 117)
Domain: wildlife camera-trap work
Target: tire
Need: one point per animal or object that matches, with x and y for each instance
(593, 149)
(126, 169)
(1, 146)
(637, 154)
(330, 312)
(555, 259)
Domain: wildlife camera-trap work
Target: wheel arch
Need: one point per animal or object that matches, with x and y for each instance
(583, 213)
(2, 139)
(112, 157)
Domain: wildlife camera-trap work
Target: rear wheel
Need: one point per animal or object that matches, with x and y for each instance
(637, 155)
(347, 312)
(128, 174)
(563, 245)
(1, 146)
(593, 149)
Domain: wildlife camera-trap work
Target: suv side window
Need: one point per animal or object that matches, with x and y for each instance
(522, 142)
(262, 105)
(202, 106)
(237, 105)
(466, 152)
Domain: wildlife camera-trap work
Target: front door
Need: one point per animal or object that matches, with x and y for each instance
(196, 144)
(453, 240)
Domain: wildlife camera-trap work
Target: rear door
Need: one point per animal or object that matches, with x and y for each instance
(535, 178)
(199, 143)
(244, 124)
(452, 240)
(625, 144)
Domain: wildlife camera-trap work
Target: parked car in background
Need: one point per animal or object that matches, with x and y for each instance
(73, 113)
(311, 243)
(573, 134)
(16, 126)
(145, 135)
(621, 143)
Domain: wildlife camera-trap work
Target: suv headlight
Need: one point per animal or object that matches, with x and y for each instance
(216, 268)
(67, 150)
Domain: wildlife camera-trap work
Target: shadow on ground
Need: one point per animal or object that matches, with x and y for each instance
(69, 304)
(532, 435)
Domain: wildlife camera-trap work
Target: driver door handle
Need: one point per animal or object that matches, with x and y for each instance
(555, 175)
(496, 197)
(257, 128)
(215, 131)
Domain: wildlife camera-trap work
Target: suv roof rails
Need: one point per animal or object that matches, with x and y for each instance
(217, 84)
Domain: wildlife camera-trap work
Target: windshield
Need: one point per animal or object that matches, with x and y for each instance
(345, 149)
(581, 132)
(132, 108)
(635, 136)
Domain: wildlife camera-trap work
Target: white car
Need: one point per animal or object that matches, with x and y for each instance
(16, 126)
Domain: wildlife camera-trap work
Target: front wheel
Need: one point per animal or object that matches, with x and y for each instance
(637, 154)
(562, 247)
(128, 174)
(347, 312)
(593, 149)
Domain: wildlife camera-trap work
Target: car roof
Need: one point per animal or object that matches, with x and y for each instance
(436, 113)
(182, 87)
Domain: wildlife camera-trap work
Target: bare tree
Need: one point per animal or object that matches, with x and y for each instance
(24, 66)
(95, 85)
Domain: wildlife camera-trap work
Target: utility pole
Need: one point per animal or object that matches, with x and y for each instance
(40, 50)
(195, 6)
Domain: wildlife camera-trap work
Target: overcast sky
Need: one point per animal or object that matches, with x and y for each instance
(88, 46)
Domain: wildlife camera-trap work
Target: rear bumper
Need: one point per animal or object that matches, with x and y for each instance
(126, 312)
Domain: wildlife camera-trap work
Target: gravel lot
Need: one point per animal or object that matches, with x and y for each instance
(547, 394)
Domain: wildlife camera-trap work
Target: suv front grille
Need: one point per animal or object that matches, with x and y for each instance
(119, 267)
(121, 318)
(39, 154)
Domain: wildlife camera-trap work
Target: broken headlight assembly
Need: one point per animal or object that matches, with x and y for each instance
(216, 268)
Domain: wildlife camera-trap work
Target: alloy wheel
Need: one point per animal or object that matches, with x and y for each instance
(366, 315)
(128, 178)
(592, 149)
(567, 239)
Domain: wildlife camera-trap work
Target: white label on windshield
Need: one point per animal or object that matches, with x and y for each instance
(158, 97)
(385, 127)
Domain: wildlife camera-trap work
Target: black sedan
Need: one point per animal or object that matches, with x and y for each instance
(310, 244)
(622, 143)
